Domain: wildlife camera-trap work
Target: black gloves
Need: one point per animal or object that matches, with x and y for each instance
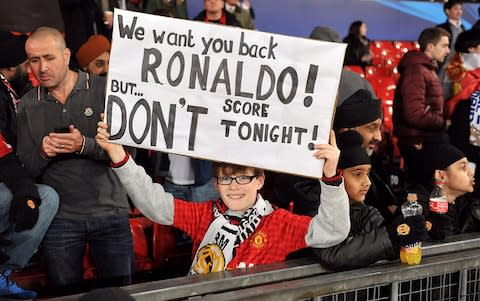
(438, 226)
(24, 213)
(406, 231)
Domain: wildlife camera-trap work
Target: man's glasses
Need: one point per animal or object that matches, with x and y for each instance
(241, 180)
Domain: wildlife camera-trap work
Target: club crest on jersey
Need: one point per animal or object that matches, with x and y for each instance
(259, 240)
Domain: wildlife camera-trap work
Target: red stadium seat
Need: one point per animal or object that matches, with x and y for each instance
(154, 244)
(384, 88)
(164, 243)
(377, 71)
(138, 227)
(356, 69)
(378, 47)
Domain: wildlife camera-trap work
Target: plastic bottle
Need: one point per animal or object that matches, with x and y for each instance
(411, 254)
(438, 200)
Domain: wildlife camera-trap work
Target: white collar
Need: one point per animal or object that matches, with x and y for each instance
(455, 23)
(230, 8)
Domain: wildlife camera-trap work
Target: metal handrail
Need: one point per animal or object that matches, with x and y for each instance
(344, 281)
(305, 273)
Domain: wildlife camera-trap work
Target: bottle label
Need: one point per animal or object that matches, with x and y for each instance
(438, 205)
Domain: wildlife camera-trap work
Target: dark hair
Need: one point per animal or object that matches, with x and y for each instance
(354, 29)
(449, 4)
(230, 168)
(165, 12)
(467, 39)
(431, 35)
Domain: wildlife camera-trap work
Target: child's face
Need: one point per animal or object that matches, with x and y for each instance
(357, 182)
(459, 178)
(239, 197)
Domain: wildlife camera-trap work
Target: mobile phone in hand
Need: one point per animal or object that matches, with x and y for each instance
(61, 130)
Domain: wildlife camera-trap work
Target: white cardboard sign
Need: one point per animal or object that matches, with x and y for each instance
(221, 93)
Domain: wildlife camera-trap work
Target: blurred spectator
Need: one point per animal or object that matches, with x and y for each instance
(243, 15)
(215, 12)
(453, 10)
(177, 7)
(165, 12)
(358, 49)
(247, 6)
(477, 25)
(94, 55)
(463, 68)
(26, 210)
(82, 19)
(418, 107)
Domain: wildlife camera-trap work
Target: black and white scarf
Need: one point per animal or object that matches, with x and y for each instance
(224, 235)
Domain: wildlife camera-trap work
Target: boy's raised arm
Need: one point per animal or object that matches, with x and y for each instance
(331, 225)
(150, 198)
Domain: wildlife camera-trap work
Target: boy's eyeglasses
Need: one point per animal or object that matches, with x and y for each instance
(241, 180)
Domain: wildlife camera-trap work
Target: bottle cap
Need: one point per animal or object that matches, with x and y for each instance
(412, 197)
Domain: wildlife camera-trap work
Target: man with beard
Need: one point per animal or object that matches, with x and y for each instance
(94, 55)
(26, 210)
(360, 112)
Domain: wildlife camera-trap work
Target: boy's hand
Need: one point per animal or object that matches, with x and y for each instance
(330, 153)
(115, 151)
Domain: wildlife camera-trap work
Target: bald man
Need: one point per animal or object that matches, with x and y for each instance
(57, 126)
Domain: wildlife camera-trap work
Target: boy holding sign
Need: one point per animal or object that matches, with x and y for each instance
(241, 228)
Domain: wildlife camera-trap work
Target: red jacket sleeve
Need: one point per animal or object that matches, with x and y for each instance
(5, 148)
(422, 99)
(14, 175)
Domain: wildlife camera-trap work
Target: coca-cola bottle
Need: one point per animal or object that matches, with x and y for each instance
(438, 203)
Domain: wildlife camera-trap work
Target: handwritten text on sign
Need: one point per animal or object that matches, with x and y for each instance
(221, 93)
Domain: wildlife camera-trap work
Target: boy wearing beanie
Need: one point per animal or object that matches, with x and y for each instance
(94, 55)
(447, 164)
(369, 240)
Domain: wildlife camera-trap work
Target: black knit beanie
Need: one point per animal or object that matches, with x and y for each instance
(359, 109)
(12, 49)
(467, 39)
(440, 156)
(351, 151)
